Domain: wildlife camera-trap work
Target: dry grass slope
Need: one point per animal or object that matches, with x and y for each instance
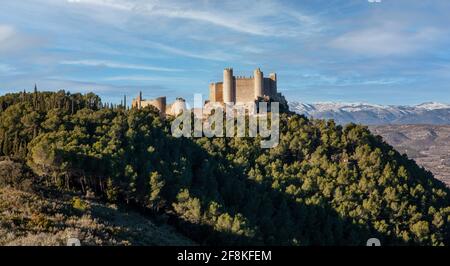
(34, 220)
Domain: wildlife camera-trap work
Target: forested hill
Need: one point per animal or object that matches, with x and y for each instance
(322, 185)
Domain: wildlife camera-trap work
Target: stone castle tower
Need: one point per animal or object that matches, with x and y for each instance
(160, 103)
(235, 89)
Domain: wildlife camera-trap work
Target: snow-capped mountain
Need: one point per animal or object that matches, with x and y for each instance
(371, 114)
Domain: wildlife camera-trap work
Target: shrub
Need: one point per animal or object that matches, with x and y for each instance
(14, 174)
(39, 221)
(79, 204)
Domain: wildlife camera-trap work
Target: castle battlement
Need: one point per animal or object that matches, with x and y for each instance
(243, 77)
(243, 89)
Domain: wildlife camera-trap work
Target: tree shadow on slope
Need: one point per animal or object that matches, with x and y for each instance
(272, 217)
(303, 225)
(275, 217)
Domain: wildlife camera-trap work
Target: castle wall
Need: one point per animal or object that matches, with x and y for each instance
(244, 90)
(159, 103)
(176, 107)
(216, 92)
(135, 103)
(212, 92)
(270, 87)
(219, 92)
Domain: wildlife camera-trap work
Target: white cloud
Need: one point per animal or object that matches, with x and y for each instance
(385, 41)
(109, 64)
(243, 17)
(6, 68)
(123, 5)
(9, 38)
(237, 24)
(318, 79)
(132, 78)
(6, 32)
(147, 78)
(12, 41)
(207, 55)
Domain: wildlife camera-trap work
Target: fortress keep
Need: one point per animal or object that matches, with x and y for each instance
(235, 89)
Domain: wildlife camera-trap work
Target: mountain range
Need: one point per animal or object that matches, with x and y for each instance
(430, 113)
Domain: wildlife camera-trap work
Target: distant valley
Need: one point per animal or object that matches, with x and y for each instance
(421, 131)
(428, 145)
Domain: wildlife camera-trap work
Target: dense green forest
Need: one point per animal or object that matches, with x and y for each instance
(322, 185)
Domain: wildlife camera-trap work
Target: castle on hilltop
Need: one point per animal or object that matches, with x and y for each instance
(236, 89)
(233, 89)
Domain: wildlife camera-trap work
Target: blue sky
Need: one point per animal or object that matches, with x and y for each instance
(392, 52)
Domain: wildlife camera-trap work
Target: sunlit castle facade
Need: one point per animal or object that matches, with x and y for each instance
(160, 103)
(235, 89)
(238, 90)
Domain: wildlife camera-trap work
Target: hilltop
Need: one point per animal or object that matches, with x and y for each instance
(324, 184)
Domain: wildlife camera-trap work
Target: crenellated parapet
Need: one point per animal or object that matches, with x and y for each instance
(242, 88)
